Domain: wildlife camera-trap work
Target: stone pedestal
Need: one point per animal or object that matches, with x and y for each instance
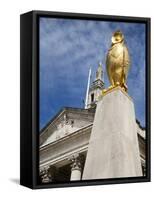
(113, 150)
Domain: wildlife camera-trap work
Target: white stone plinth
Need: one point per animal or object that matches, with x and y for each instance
(113, 150)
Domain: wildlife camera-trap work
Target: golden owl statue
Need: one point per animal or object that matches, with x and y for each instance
(118, 61)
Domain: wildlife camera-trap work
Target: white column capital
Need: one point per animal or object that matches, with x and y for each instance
(75, 167)
(76, 162)
(45, 174)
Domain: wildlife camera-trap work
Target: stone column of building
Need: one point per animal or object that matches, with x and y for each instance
(45, 175)
(143, 167)
(75, 168)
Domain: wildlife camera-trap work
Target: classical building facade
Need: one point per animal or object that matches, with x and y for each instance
(64, 140)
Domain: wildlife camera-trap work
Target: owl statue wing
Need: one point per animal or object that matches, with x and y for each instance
(126, 61)
(108, 69)
(113, 58)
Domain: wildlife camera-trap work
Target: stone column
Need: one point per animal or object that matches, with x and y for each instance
(75, 168)
(113, 150)
(143, 167)
(45, 175)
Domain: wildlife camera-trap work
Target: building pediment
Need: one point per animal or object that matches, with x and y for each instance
(67, 121)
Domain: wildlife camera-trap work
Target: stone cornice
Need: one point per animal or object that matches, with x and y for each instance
(64, 157)
(78, 141)
(66, 137)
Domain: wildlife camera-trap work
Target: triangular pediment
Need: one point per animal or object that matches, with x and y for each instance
(67, 121)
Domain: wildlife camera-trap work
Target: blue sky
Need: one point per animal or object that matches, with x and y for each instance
(69, 47)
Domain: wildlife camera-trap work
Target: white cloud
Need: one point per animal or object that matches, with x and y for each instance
(69, 47)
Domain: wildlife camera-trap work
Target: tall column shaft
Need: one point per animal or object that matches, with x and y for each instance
(75, 174)
(113, 150)
(76, 168)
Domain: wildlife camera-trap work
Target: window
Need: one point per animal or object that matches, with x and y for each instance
(92, 97)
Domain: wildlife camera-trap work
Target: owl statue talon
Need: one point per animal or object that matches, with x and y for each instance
(125, 87)
(117, 84)
(111, 86)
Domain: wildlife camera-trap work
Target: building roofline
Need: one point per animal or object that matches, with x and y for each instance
(137, 121)
(64, 109)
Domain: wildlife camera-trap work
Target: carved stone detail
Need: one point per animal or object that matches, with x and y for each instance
(45, 175)
(76, 162)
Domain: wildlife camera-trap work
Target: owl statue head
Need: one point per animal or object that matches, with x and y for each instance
(117, 37)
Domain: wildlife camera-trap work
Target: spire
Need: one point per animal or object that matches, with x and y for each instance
(99, 72)
(94, 90)
(88, 86)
